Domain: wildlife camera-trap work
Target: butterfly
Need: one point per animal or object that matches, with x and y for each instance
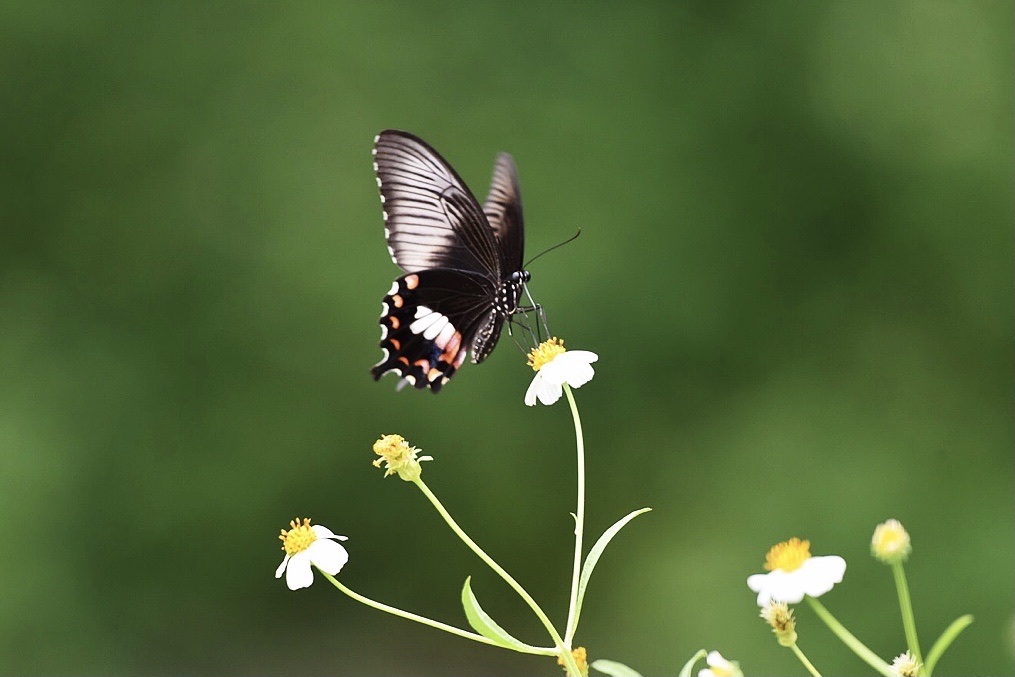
(463, 263)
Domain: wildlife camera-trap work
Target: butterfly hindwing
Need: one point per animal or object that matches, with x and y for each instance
(429, 321)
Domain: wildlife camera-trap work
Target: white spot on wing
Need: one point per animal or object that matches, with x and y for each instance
(392, 291)
(425, 323)
(421, 311)
(378, 181)
(376, 139)
(383, 359)
(446, 333)
(437, 327)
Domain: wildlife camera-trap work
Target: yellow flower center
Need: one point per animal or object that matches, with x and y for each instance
(398, 457)
(299, 537)
(545, 352)
(581, 658)
(392, 449)
(788, 556)
(890, 542)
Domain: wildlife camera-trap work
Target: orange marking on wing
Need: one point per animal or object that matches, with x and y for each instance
(451, 347)
(394, 322)
(411, 281)
(396, 301)
(395, 343)
(404, 360)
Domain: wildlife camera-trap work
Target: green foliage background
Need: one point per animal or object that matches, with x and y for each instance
(795, 265)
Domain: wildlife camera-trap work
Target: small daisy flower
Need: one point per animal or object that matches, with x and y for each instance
(890, 543)
(555, 366)
(793, 573)
(719, 667)
(398, 457)
(780, 617)
(305, 545)
(905, 665)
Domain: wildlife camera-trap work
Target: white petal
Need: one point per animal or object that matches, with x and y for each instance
(777, 585)
(586, 356)
(325, 532)
(299, 574)
(580, 374)
(706, 672)
(571, 367)
(530, 394)
(281, 567)
(549, 392)
(716, 660)
(756, 582)
(818, 575)
(328, 556)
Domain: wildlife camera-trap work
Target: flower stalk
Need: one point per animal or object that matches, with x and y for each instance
(906, 607)
(563, 650)
(572, 611)
(803, 659)
(849, 639)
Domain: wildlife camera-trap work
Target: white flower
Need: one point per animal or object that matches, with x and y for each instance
(556, 366)
(905, 665)
(719, 667)
(793, 573)
(305, 545)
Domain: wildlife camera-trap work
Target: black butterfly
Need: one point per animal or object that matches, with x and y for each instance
(463, 262)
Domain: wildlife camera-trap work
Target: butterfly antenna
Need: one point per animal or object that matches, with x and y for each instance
(547, 251)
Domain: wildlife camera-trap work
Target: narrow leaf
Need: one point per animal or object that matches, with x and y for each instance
(593, 558)
(945, 640)
(486, 626)
(614, 668)
(689, 665)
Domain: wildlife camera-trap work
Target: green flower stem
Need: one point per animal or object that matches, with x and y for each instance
(579, 528)
(549, 651)
(803, 659)
(858, 647)
(906, 605)
(563, 650)
(944, 641)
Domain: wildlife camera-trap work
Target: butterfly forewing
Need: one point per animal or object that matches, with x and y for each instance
(503, 209)
(431, 218)
(461, 261)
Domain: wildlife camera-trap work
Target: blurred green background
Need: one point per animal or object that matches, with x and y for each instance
(796, 266)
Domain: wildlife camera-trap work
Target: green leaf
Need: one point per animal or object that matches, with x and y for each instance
(486, 626)
(945, 640)
(593, 558)
(689, 665)
(614, 668)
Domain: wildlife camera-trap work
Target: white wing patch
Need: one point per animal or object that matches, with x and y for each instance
(429, 323)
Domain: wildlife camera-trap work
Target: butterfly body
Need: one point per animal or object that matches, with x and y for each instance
(463, 262)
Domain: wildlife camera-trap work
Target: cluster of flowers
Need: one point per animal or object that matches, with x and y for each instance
(793, 574)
